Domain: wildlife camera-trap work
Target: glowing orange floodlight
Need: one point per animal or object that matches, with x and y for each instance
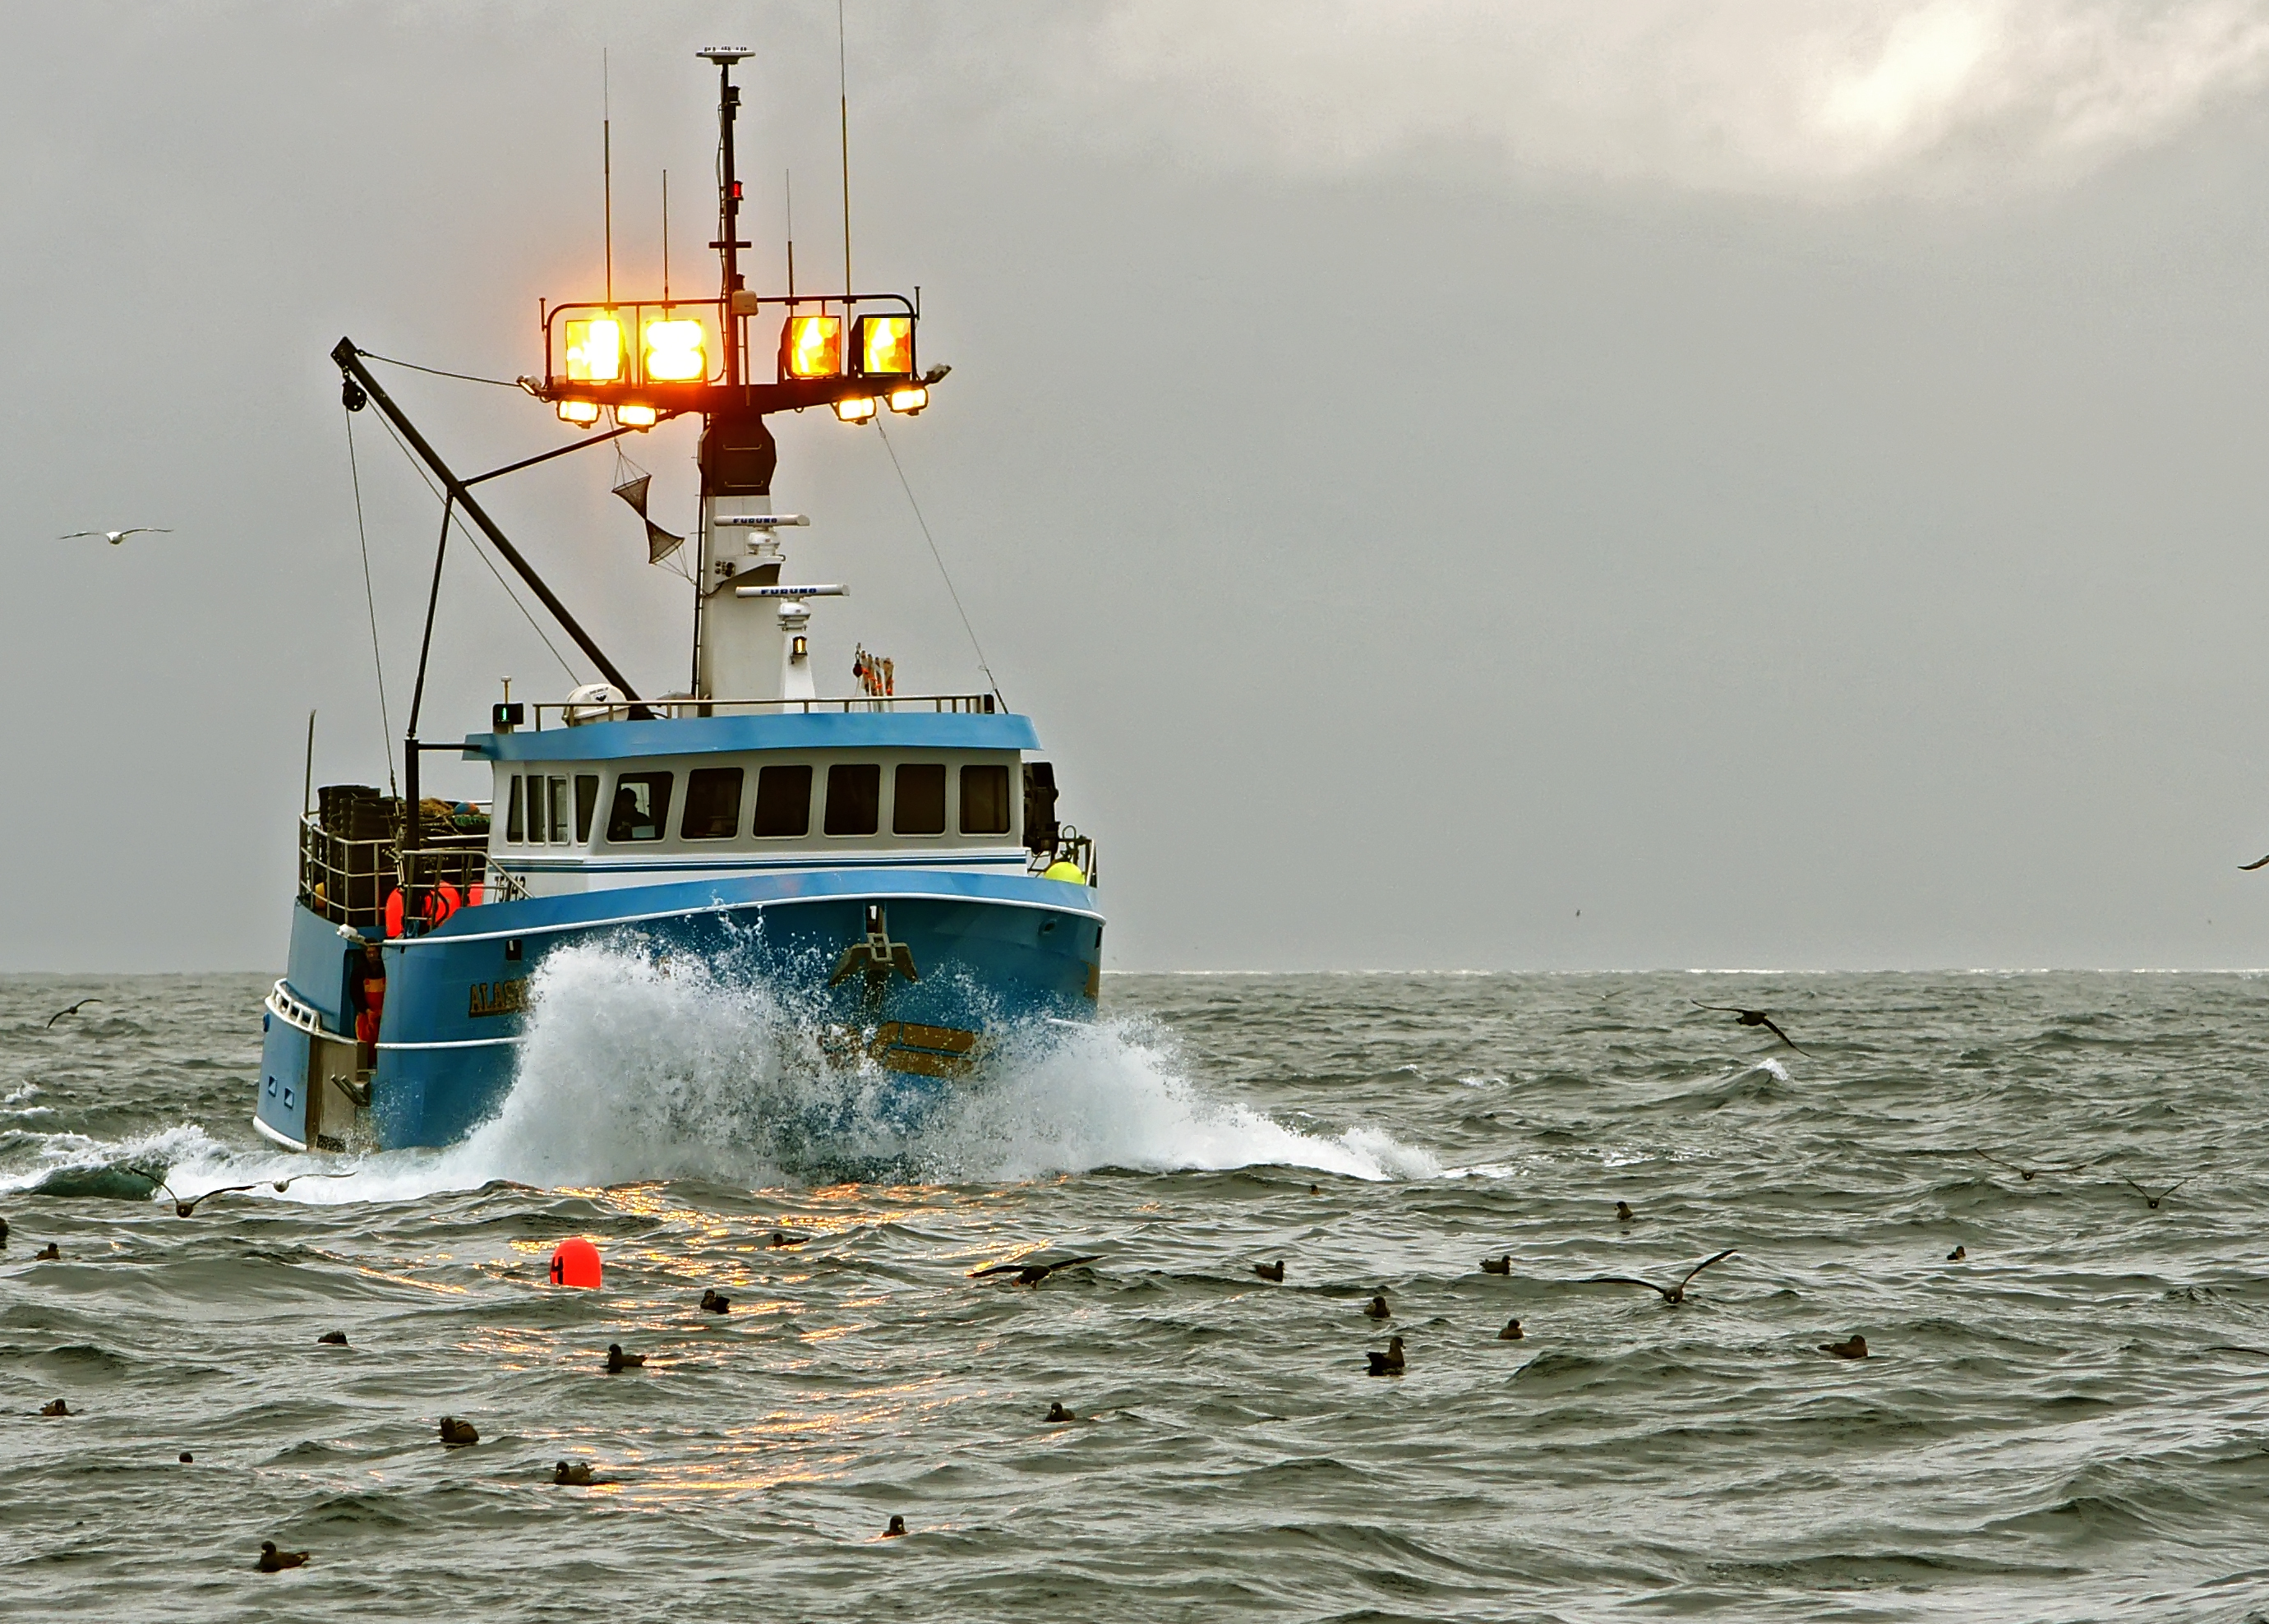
(674, 352)
(594, 350)
(909, 401)
(811, 347)
(854, 411)
(585, 412)
(633, 416)
(884, 346)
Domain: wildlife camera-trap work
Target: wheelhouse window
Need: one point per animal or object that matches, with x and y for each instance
(713, 803)
(587, 802)
(855, 798)
(918, 798)
(985, 801)
(516, 818)
(558, 798)
(641, 807)
(784, 800)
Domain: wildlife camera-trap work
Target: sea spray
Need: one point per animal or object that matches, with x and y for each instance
(637, 1065)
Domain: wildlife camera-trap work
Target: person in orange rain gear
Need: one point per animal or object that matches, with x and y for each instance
(366, 992)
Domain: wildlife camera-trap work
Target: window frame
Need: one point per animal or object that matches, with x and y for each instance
(827, 816)
(693, 775)
(961, 800)
(756, 816)
(657, 815)
(898, 778)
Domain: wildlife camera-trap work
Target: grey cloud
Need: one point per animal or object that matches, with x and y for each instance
(1813, 97)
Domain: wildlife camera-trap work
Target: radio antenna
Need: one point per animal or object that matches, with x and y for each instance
(788, 195)
(843, 108)
(665, 239)
(607, 168)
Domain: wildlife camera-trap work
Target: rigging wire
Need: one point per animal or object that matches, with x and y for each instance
(943, 572)
(370, 600)
(478, 552)
(436, 372)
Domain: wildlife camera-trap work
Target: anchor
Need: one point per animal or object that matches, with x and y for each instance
(876, 957)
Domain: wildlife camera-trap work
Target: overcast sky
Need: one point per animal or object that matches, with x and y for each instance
(1784, 479)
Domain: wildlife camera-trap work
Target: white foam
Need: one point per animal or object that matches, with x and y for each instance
(640, 1067)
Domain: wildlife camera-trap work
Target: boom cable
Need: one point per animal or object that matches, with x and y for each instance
(473, 536)
(943, 572)
(437, 373)
(370, 600)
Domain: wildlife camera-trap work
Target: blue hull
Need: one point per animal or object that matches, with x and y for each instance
(986, 953)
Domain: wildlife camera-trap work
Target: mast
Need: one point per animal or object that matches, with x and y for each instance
(736, 653)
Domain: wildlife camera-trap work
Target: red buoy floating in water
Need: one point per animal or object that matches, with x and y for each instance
(575, 1262)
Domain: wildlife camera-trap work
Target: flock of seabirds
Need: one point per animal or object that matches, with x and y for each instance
(1391, 1362)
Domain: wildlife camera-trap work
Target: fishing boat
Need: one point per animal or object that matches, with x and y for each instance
(889, 866)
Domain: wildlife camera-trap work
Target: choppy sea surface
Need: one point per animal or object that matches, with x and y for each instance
(2069, 1423)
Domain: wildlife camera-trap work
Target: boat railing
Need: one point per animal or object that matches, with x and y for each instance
(1069, 846)
(675, 708)
(350, 882)
(346, 881)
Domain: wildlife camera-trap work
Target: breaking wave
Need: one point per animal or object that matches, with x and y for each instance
(638, 1066)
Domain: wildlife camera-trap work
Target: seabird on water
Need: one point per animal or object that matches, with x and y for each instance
(1270, 1270)
(56, 1408)
(273, 1561)
(1512, 1333)
(1624, 1213)
(456, 1432)
(48, 1253)
(1497, 1265)
(1854, 1348)
(1057, 1413)
(1388, 1363)
(1377, 1309)
(716, 1301)
(1671, 1294)
(573, 1471)
(897, 1528)
(333, 1339)
(1957, 1254)
(618, 1360)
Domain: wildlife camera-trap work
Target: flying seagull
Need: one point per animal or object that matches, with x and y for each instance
(2250, 868)
(1671, 1294)
(1033, 1273)
(184, 1209)
(116, 536)
(2150, 1200)
(74, 1009)
(1753, 1017)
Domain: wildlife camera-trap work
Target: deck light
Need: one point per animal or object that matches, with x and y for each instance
(585, 412)
(632, 416)
(594, 350)
(811, 347)
(909, 401)
(673, 351)
(856, 411)
(884, 346)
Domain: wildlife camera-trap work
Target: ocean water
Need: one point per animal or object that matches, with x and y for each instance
(2071, 1423)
